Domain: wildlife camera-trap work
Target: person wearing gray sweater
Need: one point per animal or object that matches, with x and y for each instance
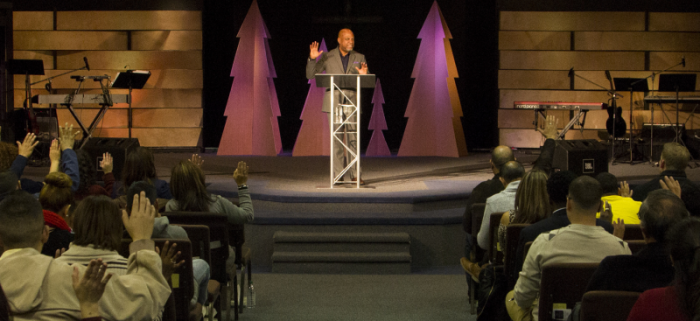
(580, 242)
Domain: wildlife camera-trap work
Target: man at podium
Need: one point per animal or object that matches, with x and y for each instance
(341, 60)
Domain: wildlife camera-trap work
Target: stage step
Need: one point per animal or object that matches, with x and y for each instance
(357, 253)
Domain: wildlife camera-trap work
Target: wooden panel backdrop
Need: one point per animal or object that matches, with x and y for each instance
(538, 48)
(168, 112)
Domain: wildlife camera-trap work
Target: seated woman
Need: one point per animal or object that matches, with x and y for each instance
(98, 227)
(680, 301)
(140, 166)
(531, 206)
(190, 193)
(88, 183)
(56, 198)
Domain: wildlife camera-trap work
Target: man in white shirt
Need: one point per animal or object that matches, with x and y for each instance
(511, 174)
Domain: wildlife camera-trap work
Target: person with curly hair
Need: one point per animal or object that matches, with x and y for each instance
(88, 183)
(56, 199)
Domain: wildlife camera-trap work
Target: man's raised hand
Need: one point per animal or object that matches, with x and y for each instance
(313, 48)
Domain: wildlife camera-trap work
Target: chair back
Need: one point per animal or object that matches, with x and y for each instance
(607, 305)
(237, 238)
(495, 256)
(477, 212)
(525, 250)
(199, 236)
(182, 279)
(563, 284)
(218, 236)
(636, 245)
(511, 246)
(633, 232)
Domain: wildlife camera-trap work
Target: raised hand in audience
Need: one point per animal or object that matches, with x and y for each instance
(59, 252)
(90, 288)
(606, 212)
(197, 160)
(671, 184)
(241, 174)
(107, 163)
(619, 228)
(67, 136)
(550, 128)
(169, 257)
(26, 147)
(140, 223)
(55, 156)
(624, 189)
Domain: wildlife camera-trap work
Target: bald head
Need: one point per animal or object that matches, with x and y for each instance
(500, 156)
(512, 171)
(346, 41)
(675, 157)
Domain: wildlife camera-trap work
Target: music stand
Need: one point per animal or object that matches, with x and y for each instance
(351, 82)
(27, 67)
(631, 85)
(131, 79)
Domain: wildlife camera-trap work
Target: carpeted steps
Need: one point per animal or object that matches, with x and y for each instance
(358, 253)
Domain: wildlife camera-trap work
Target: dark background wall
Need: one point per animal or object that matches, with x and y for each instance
(385, 31)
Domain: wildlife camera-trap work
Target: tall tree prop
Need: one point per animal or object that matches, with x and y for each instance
(377, 123)
(252, 108)
(433, 109)
(314, 134)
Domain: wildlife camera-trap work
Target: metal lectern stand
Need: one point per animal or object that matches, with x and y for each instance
(345, 118)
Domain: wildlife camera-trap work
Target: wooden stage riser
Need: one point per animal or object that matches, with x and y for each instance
(167, 113)
(537, 49)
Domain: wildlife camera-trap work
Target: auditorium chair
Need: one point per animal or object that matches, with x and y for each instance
(243, 259)
(607, 305)
(182, 279)
(633, 232)
(219, 244)
(199, 236)
(511, 246)
(563, 284)
(525, 250)
(495, 256)
(477, 215)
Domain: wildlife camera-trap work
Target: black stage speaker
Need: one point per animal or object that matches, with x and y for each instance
(583, 157)
(117, 147)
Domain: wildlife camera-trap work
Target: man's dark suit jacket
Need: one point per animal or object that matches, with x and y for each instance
(493, 186)
(557, 220)
(648, 269)
(690, 193)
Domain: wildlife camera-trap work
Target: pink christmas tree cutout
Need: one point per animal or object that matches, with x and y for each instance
(252, 108)
(377, 123)
(314, 135)
(431, 128)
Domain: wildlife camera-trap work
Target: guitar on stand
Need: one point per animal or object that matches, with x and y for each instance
(615, 125)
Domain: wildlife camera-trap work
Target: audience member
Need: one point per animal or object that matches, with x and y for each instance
(140, 166)
(88, 183)
(651, 267)
(617, 196)
(674, 160)
(56, 198)
(62, 157)
(580, 242)
(190, 193)
(45, 291)
(558, 189)
(8, 183)
(502, 202)
(681, 301)
(163, 230)
(499, 156)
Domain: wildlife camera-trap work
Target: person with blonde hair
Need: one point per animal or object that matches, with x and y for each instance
(56, 198)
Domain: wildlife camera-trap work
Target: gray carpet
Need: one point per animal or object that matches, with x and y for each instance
(312, 297)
